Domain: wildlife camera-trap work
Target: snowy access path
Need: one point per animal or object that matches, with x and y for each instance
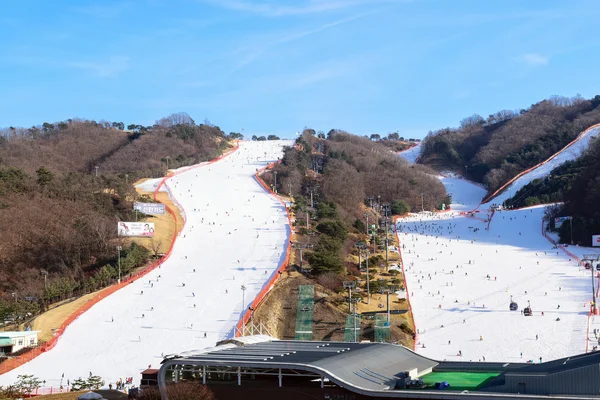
(236, 234)
(447, 260)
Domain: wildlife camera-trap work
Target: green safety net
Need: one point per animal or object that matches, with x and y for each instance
(349, 329)
(304, 314)
(382, 328)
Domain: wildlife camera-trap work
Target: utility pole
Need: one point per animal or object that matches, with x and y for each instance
(349, 285)
(119, 248)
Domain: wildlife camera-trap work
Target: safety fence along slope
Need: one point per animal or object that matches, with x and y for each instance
(17, 361)
(247, 314)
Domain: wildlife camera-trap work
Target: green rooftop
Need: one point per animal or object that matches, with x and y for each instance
(459, 380)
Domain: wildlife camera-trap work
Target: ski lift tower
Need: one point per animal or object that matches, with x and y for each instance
(592, 258)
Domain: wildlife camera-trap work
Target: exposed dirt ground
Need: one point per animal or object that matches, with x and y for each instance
(278, 310)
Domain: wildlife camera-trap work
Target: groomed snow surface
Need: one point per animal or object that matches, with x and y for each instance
(236, 234)
(447, 264)
(459, 309)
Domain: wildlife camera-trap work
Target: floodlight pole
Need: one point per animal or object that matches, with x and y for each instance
(243, 297)
(354, 301)
(119, 248)
(275, 186)
(307, 220)
(389, 290)
(349, 285)
(591, 258)
(368, 286)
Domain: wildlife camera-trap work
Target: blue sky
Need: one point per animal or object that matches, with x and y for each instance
(267, 66)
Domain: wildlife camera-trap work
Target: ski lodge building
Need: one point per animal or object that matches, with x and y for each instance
(11, 342)
(261, 367)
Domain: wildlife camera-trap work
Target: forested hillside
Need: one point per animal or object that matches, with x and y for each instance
(64, 186)
(346, 175)
(492, 150)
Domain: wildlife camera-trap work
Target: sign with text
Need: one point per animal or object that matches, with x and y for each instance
(143, 229)
(559, 221)
(149, 208)
(596, 240)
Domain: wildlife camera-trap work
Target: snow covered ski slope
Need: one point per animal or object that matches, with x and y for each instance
(236, 234)
(460, 279)
(568, 154)
(411, 154)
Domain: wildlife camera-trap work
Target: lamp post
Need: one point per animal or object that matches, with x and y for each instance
(243, 297)
(45, 273)
(96, 167)
(368, 281)
(591, 258)
(119, 248)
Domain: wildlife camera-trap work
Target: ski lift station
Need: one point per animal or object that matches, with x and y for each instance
(261, 367)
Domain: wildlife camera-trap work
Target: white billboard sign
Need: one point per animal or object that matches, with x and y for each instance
(596, 240)
(144, 229)
(559, 221)
(149, 208)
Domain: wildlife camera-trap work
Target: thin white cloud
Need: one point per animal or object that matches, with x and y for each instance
(106, 68)
(104, 10)
(534, 59)
(256, 51)
(271, 8)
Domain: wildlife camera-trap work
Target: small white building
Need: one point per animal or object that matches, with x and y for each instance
(11, 342)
